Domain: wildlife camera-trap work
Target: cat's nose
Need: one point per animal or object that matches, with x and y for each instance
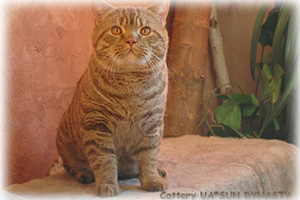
(131, 41)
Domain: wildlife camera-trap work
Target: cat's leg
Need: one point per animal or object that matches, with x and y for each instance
(101, 154)
(146, 156)
(80, 169)
(84, 175)
(127, 167)
(73, 162)
(162, 170)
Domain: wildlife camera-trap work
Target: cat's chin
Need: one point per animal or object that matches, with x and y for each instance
(131, 59)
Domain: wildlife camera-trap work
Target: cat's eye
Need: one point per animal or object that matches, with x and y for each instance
(116, 30)
(145, 31)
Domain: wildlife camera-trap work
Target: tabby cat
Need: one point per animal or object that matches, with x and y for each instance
(114, 124)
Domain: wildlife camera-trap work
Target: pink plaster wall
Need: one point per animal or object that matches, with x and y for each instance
(48, 48)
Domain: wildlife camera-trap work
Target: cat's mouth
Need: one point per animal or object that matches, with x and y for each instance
(131, 53)
(131, 57)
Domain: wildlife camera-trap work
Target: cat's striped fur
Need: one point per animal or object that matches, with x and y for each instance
(114, 125)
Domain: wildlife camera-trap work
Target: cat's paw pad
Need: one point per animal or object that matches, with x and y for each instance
(156, 184)
(84, 176)
(108, 190)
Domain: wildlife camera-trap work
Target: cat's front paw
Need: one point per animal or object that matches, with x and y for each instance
(156, 184)
(162, 172)
(108, 190)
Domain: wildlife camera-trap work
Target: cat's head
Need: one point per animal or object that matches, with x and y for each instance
(127, 37)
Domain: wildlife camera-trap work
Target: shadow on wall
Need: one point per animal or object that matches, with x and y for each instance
(48, 48)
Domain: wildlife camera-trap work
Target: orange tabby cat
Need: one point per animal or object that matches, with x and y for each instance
(114, 125)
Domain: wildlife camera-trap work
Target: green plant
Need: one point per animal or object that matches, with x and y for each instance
(276, 74)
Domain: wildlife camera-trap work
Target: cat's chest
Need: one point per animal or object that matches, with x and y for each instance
(133, 108)
(131, 99)
(127, 133)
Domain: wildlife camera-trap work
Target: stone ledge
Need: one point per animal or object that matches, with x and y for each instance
(195, 164)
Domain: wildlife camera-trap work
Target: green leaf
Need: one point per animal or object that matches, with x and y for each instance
(248, 103)
(276, 91)
(290, 49)
(272, 83)
(255, 37)
(222, 96)
(229, 114)
(244, 99)
(276, 125)
(267, 105)
(268, 28)
(267, 72)
(248, 110)
(278, 72)
(254, 100)
(260, 77)
(241, 98)
(282, 24)
(261, 112)
(225, 131)
(291, 85)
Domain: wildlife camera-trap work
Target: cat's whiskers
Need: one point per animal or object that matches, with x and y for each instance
(170, 72)
(105, 63)
(96, 58)
(113, 66)
(163, 52)
(103, 68)
(153, 66)
(109, 67)
(160, 60)
(146, 53)
(156, 64)
(113, 63)
(144, 56)
(97, 53)
(148, 61)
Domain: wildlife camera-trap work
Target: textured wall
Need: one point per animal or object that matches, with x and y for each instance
(48, 48)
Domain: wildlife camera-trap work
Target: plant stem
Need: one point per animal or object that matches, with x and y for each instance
(262, 129)
(257, 80)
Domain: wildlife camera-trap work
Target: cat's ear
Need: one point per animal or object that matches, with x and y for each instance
(161, 8)
(100, 7)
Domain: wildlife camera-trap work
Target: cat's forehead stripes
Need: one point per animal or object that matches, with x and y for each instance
(131, 16)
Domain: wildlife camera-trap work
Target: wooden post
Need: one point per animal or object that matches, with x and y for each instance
(188, 53)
